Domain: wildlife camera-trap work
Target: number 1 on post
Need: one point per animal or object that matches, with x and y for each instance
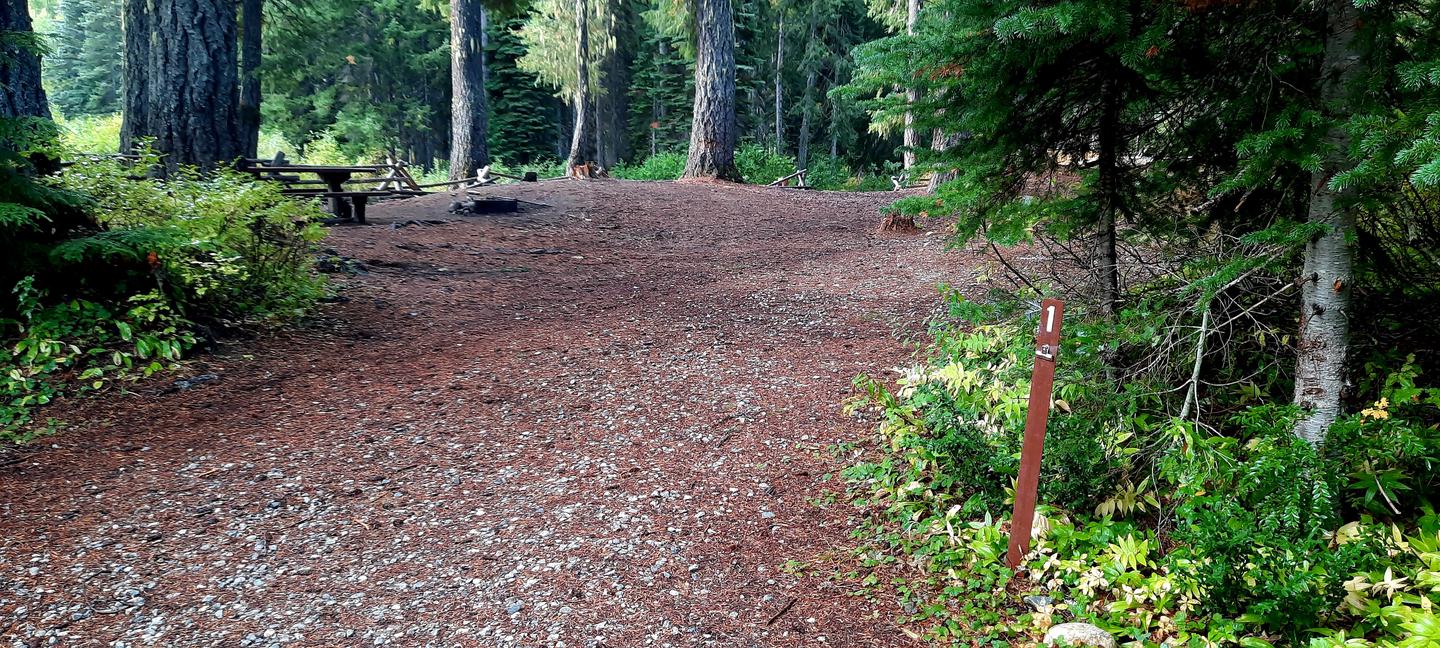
(1042, 383)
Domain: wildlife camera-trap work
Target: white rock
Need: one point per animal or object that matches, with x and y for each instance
(1079, 634)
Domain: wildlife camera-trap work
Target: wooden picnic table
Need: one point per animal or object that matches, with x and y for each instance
(334, 178)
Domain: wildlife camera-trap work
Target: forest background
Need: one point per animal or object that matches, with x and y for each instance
(347, 81)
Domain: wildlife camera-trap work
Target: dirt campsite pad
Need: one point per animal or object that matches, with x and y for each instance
(599, 421)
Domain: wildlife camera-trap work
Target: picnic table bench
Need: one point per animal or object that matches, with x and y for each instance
(358, 200)
(334, 179)
(348, 204)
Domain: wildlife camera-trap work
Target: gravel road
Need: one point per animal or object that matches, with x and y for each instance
(599, 422)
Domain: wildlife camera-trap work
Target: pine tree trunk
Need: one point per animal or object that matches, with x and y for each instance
(134, 107)
(941, 142)
(423, 146)
(802, 146)
(1107, 261)
(657, 106)
(1325, 298)
(599, 106)
(896, 222)
(834, 130)
(190, 77)
(250, 28)
(469, 114)
(484, 53)
(563, 116)
(654, 122)
(911, 141)
(713, 128)
(21, 94)
(607, 137)
(614, 105)
(899, 223)
(779, 88)
(1109, 264)
(580, 138)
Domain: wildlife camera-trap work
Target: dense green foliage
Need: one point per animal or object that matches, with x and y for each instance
(523, 117)
(661, 88)
(1190, 138)
(374, 73)
(111, 276)
(1152, 124)
(1155, 528)
(760, 166)
(1167, 158)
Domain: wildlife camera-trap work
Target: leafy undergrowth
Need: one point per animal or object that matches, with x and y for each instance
(761, 166)
(1158, 529)
(118, 276)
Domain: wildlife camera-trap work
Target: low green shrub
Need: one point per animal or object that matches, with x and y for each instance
(756, 164)
(542, 168)
(829, 173)
(225, 249)
(667, 165)
(325, 148)
(157, 265)
(1160, 530)
(759, 165)
(273, 141)
(868, 182)
(79, 346)
(95, 134)
(1391, 449)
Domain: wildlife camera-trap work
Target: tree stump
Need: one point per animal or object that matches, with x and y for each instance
(588, 171)
(898, 223)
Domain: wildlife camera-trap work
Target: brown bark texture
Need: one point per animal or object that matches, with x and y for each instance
(469, 111)
(250, 52)
(910, 140)
(1107, 261)
(779, 89)
(713, 129)
(134, 108)
(940, 142)
(190, 79)
(897, 223)
(802, 145)
(21, 94)
(581, 140)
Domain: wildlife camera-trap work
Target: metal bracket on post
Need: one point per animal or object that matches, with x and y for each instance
(1042, 383)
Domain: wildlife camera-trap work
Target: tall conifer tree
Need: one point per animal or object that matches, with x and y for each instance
(84, 69)
(469, 112)
(191, 85)
(21, 94)
(713, 131)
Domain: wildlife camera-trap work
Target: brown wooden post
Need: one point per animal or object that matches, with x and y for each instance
(1042, 382)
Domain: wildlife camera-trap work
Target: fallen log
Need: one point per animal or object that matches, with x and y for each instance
(784, 182)
(530, 176)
